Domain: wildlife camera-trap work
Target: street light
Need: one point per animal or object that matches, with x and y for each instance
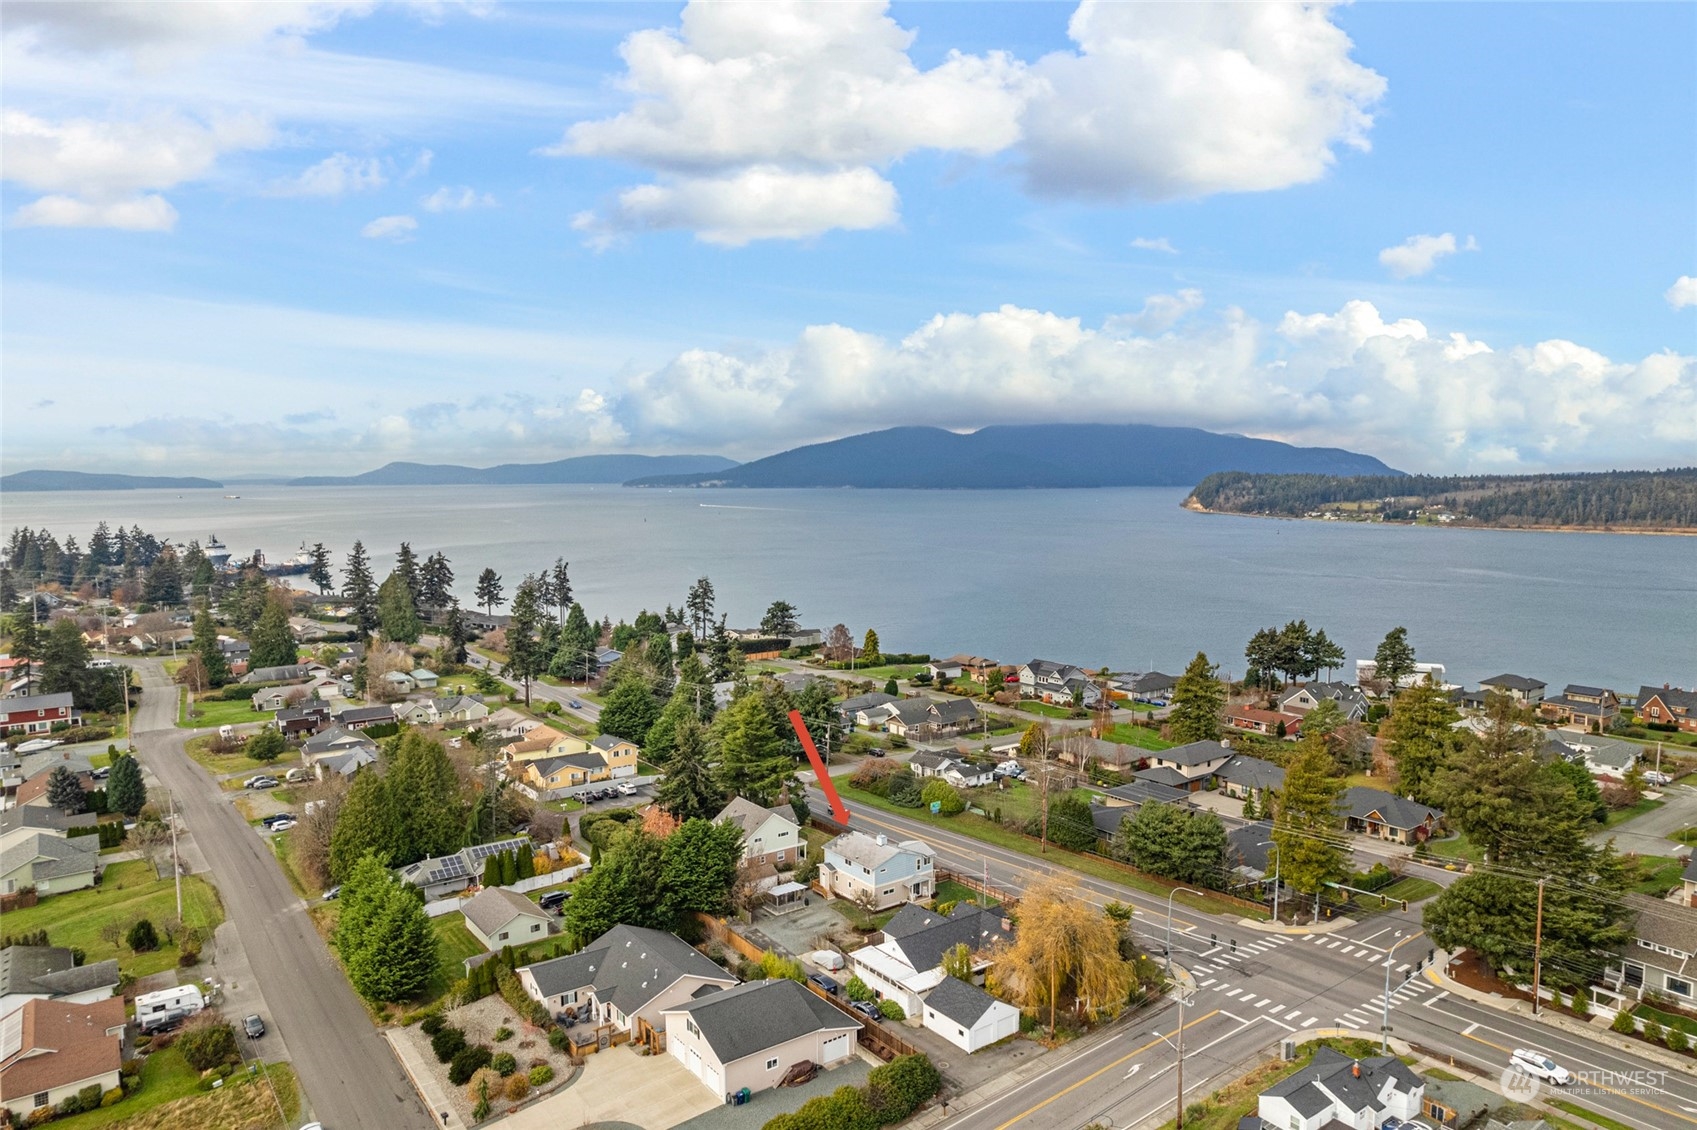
(1278, 860)
(1175, 890)
(1385, 1022)
(1178, 1062)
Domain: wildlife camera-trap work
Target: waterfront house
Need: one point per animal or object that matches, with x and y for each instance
(1592, 708)
(746, 1038)
(1057, 683)
(1386, 816)
(1668, 706)
(1151, 687)
(1299, 700)
(871, 869)
(1527, 692)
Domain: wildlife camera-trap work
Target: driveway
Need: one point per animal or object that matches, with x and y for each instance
(617, 1085)
(350, 1076)
(1648, 834)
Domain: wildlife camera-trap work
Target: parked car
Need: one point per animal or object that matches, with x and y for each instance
(253, 1026)
(276, 818)
(1652, 777)
(1540, 1066)
(824, 981)
(627, 789)
(553, 900)
(576, 705)
(333, 893)
(283, 825)
(264, 783)
(249, 783)
(105, 771)
(867, 1009)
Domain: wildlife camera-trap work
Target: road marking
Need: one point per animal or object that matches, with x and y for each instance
(1264, 1002)
(1096, 1074)
(1233, 994)
(1595, 1083)
(1436, 999)
(1335, 944)
(1310, 1022)
(1280, 1023)
(1206, 983)
(1309, 937)
(1468, 1031)
(1222, 985)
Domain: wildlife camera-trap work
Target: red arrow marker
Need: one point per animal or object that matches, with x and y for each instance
(838, 808)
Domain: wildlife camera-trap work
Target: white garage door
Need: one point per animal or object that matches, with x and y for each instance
(715, 1079)
(835, 1048)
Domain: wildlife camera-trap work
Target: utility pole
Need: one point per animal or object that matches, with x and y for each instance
(1538, 948)
(176, 865)
(1178, 1107)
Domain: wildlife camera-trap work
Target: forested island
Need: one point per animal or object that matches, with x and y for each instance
(1628, 501)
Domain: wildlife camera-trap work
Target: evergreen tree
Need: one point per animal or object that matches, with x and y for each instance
(696, 686)
(629, 710)
(431, 814)
(1418, 738)
(65, 792)
(574, 657)
(719, 650)
(212, 659)
(369, 822)
(1307, 826)
(273, 641)
(1323, 654)
(890, 688)
(525, 658)
(818, 710)
(560, 588)
(754, 758)
(1495, 790)
(164, 584)
(689, 789)
(205, 578)
(436, 582)
(319, 572)
(359, 589)
(622, 887)
(871, 655)
(685, 645)
(383, 935)
(396, 610)
(246, 602)
(458, 634)
(657, 653)
(406, 568)
(1198, 703)
(700, 864)
(267, 745)
(780, 620)
(1394, 660)
(489, 592)
(64, 658)
(124, 789)
(699, 605)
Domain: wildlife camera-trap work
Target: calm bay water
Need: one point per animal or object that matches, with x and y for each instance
(1121, 577)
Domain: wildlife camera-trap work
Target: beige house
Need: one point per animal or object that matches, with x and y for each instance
(769, 835)
(499, 918)
(49, 863)
(50, 1050)
(750, 1035)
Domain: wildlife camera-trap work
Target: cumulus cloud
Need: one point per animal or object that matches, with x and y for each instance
(1352, 377)
(815, 96)
(398, 229)
(757, 203)
(459, 199)
(1162, 245)
(1682, 293)
(1163, 101)
(1418, 254)
(336, 175)
(137, 213)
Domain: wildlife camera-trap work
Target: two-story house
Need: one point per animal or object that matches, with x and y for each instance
(908, 963)
(38, 713)
(1336, 1090)
(1527, 692)
(1662, 955)
(1301, 699)
(1594, 708)
(1194, 761)
(1243, 775)
(871, 870)
(1668, 706)
(1057, 682)
(769, 835)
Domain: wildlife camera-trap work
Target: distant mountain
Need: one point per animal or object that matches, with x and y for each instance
(581, 469)
(80, 480)
(1032, 455)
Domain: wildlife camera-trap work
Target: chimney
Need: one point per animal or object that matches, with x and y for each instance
(1007, 925)
(1355, 1069)
(881, 841)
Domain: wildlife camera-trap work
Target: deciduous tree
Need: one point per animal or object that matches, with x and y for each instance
(1065, 951)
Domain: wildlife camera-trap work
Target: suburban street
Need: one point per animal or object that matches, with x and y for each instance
(350, 1077)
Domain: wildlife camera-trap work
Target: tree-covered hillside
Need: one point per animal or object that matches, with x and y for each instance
(1663, 500)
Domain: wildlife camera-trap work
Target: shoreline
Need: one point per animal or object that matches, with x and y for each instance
(1655, 531)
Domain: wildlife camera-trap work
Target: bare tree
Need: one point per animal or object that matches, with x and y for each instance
(839, 644)
(311, 843)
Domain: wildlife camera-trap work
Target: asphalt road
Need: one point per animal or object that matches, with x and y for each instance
(1244, 1000)
(351, 1078)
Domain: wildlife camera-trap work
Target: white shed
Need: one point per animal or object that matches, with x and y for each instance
(967, 1016)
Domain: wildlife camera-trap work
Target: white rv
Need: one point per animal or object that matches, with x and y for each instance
(155, 1011)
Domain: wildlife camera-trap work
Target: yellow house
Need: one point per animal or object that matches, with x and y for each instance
(542, 741)
(565, 771)
(618, 754)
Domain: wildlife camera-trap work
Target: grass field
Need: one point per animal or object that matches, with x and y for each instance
(1413, 889)
(1655, 875)
(1123, 733)
(1459, 848)
(980, 828)
(219, 712)
(222, 763)
(170, 1098)
(1046, 710)
(950, 891)
(1622, 815)
(127, 892)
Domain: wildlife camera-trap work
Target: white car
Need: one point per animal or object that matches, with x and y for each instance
(1655, 778)
(1540, 1066)
(282, 825)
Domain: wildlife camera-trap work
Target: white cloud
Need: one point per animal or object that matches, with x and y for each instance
(157, 34)
(821, 94)
(138, 213)
(1165, 101)
(1418, 254)
(757, 203)
(337, 174)
(1418, 399)
(1682, 293)
(459, 199)
(1162, 245)
(396, 228)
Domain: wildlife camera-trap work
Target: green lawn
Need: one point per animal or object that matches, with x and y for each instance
(1123, 733)
(1413, 889)
(222, 763)
(219, 712)
(1655, 875)
(1666, 1019)
(1456, 849)
(1032, 706)
(1622, 815)
(885, 673)
(127, 892)
(950, 891)
(164, 1076)
(1589, 1115)
(980, 828)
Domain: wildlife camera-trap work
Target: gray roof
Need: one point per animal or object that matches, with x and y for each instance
(1588, 692)
(1153, 681)
(628, 966)
(80, 978)
(21, 965)
(1596, 748)
(963, 1003)
(1673, 696)
(748, 816)
(1193, 753)
(37, 702)
(866, 702)
(43, 819)
(276, 674)
(547, 765)
(1690, 875)
(1163, 775)
(1108, 818)
(332, 736)
(924, 936)
(1399, 812)
(351, 761)
(748, 1019)
(1138, 790)
(930, 759)
(1512, 683)
(861, 849)
(1251, 772)
(949, 711)
(1250, 844)
(1336, 1073)
(365, 714)
(913, 711)
(1349, 698)
(607, 741)
(55, 857)
(1663, 923)
(1043, 668)
(466, 864)
(492, 908)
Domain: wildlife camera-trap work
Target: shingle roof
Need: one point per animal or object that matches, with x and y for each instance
(350, 761)
(866, 702)
(366, 714)
(1672, 696)
(1336, 1073)
(54, 857)
(1398, 812)
(628, 966)
(964, 1004)
(1251, 772)
(37, 702)
(276, 674)
(45, 819)
(81, 978)
(71, 1043)
(21, 965)
(1153, 681)
(1690, 874)
(912, 711)
(609, 742)
(1250, 844)
(930, 759)
(924, 936)
(748, 816)
(748, 1019)
(1193, 753)
(1137, 791)
(1512, 683)
(492, 908)
(949, 711)
(1162, 775)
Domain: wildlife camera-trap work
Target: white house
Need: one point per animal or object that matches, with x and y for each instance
(52, 864)
(1333, 1088)
(1057, 682)
(749, 1036)
(499, 918)
(861, 867)
(51, 973)
(50, 1050)
(908, 963)
(967, 1016)
(769, 835)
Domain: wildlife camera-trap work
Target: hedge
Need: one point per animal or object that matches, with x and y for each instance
(892, 1092)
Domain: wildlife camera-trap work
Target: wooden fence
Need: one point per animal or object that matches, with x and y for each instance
(718, 930)
(1008, 899)
(875, 1036)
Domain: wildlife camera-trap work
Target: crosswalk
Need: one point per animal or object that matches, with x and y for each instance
(1214, 969)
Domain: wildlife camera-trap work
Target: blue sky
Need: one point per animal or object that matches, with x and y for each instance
(267, 237)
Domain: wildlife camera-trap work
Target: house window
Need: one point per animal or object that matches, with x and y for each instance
(535, 926)
(1295, 1122)
(501, 937)
(41, 1098)
(1679, 987)
(693, 1030)
(772, 1064)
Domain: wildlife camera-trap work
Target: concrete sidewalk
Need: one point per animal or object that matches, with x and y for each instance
(424, 1082)
(1597, 1028)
